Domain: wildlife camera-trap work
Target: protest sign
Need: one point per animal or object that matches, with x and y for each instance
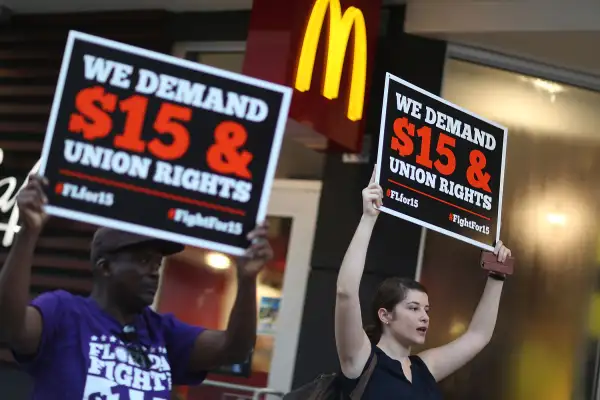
(153, 144)
(440, 166)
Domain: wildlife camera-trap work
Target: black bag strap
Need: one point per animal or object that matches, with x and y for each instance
(364, 379)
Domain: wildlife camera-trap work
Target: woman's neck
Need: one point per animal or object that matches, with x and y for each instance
(393, 348)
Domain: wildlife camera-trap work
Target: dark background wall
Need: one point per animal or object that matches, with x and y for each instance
(14, 383)
(395, 243)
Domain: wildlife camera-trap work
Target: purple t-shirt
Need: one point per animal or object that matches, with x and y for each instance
(82, 356)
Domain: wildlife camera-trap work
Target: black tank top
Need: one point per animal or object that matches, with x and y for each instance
(389, 383)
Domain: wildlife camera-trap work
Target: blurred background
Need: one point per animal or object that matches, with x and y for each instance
(530, 66)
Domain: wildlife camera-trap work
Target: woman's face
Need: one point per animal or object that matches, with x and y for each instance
(410, 320)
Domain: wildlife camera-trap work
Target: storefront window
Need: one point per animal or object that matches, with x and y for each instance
(230, 61)
(550, 221)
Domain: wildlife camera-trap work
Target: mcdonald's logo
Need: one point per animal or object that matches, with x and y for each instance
(340, 27)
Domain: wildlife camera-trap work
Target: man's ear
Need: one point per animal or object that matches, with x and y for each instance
(102, 267)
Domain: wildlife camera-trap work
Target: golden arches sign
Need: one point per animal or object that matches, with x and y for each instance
(340, 27)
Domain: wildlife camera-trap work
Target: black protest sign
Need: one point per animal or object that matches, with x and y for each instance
(153, 144)
(440, 166)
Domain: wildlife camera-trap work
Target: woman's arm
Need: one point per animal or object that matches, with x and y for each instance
(445, 360)
(351, 340)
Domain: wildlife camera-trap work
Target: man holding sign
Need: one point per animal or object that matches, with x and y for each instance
(111, 345)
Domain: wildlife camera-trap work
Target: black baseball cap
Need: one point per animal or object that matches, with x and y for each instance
(108, 240)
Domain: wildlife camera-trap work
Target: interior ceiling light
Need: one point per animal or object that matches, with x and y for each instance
(551, 88)
(556, 219)
(217, 260)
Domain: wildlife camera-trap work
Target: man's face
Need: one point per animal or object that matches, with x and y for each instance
(134, 273)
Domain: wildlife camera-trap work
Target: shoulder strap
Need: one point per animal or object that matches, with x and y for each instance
(364, 379)
(415, 358)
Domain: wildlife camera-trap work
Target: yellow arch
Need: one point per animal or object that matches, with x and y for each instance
(340, 26)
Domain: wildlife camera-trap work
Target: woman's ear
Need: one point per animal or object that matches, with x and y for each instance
(384, 316)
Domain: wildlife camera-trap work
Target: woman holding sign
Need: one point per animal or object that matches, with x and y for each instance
(400, 311)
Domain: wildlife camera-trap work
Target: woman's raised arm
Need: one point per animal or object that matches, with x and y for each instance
(443, 361)
(352, 343)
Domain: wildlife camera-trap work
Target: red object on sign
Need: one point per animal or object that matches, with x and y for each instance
(325, 50)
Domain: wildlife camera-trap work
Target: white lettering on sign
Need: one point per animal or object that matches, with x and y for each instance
(8, 199)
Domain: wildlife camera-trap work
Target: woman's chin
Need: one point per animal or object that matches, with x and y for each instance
(418, 340)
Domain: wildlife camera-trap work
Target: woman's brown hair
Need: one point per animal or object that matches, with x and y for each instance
(389, 293)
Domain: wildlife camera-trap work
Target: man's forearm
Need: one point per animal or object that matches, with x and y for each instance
(15, 278)
(241, 330)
